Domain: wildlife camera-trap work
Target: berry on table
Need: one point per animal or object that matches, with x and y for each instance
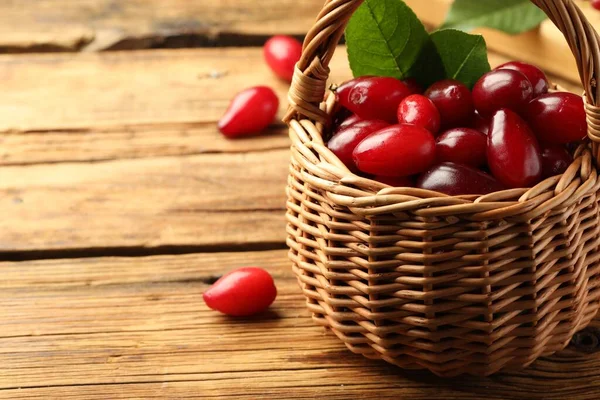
(282, 53)
(343, 143)
(242, 292)
(536, 76)
(596, 4)
(453, 101)
(250, 112)
(398, 150)
(373, 97)
(514, 155)
(502, 88)
(456, 179)
(462, 146)
(420, 111)
(557, 118)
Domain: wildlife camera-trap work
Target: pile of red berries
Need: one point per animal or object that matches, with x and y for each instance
(509, 132)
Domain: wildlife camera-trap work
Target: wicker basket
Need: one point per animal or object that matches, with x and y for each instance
(422, 280)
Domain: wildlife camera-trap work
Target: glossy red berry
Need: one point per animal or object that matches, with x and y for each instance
(343, 91)
(250, 111)
(555, 160)
(462, 146)
(481, 124)
(343, 143)
(351, 120)
(536, 76)
(413, 86)
(373, 97)
(420, 111)
(502, 88)
(514, 155)
(282, 53)
(456, 179)
(596, 4)
(454, 102)
(557, 118)
(396, 181)
(399, 150)
(243, 292)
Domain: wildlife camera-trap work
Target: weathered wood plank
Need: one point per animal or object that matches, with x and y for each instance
(284, 385)
(65, 91)
(137, 328)
(120, 105)
(130, 141)
(66, 25)
(130, 104)
(207, 200)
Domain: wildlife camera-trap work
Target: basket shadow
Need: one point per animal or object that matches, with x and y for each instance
(463, 383)
(268, 315)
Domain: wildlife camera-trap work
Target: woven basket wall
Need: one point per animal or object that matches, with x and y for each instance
(423, 280)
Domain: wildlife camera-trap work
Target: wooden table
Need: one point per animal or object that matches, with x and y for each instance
(120, 203)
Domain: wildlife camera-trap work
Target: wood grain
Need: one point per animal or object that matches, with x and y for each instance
(130, 104)
(137, 328)
(117, 153)
(66, 25)
(90, 25)
(119, 105)
(64, 91)
(130, 141)
(206, 200)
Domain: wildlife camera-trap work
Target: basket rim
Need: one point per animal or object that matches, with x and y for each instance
(369, 197)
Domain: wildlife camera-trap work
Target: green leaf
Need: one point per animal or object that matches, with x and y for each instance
(385, 38)
(510, 16)
(463, 56)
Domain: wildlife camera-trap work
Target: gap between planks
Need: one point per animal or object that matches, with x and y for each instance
(94, 25)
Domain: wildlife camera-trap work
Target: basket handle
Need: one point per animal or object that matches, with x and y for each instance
(312, 71)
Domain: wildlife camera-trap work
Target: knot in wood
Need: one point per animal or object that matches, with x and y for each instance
(587, 340)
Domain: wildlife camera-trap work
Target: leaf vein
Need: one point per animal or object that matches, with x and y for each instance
(467, 58)
(387, 45)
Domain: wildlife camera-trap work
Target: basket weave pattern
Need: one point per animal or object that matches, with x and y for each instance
(466, 284)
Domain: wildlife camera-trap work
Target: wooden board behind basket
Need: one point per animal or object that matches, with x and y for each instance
(543, 46)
